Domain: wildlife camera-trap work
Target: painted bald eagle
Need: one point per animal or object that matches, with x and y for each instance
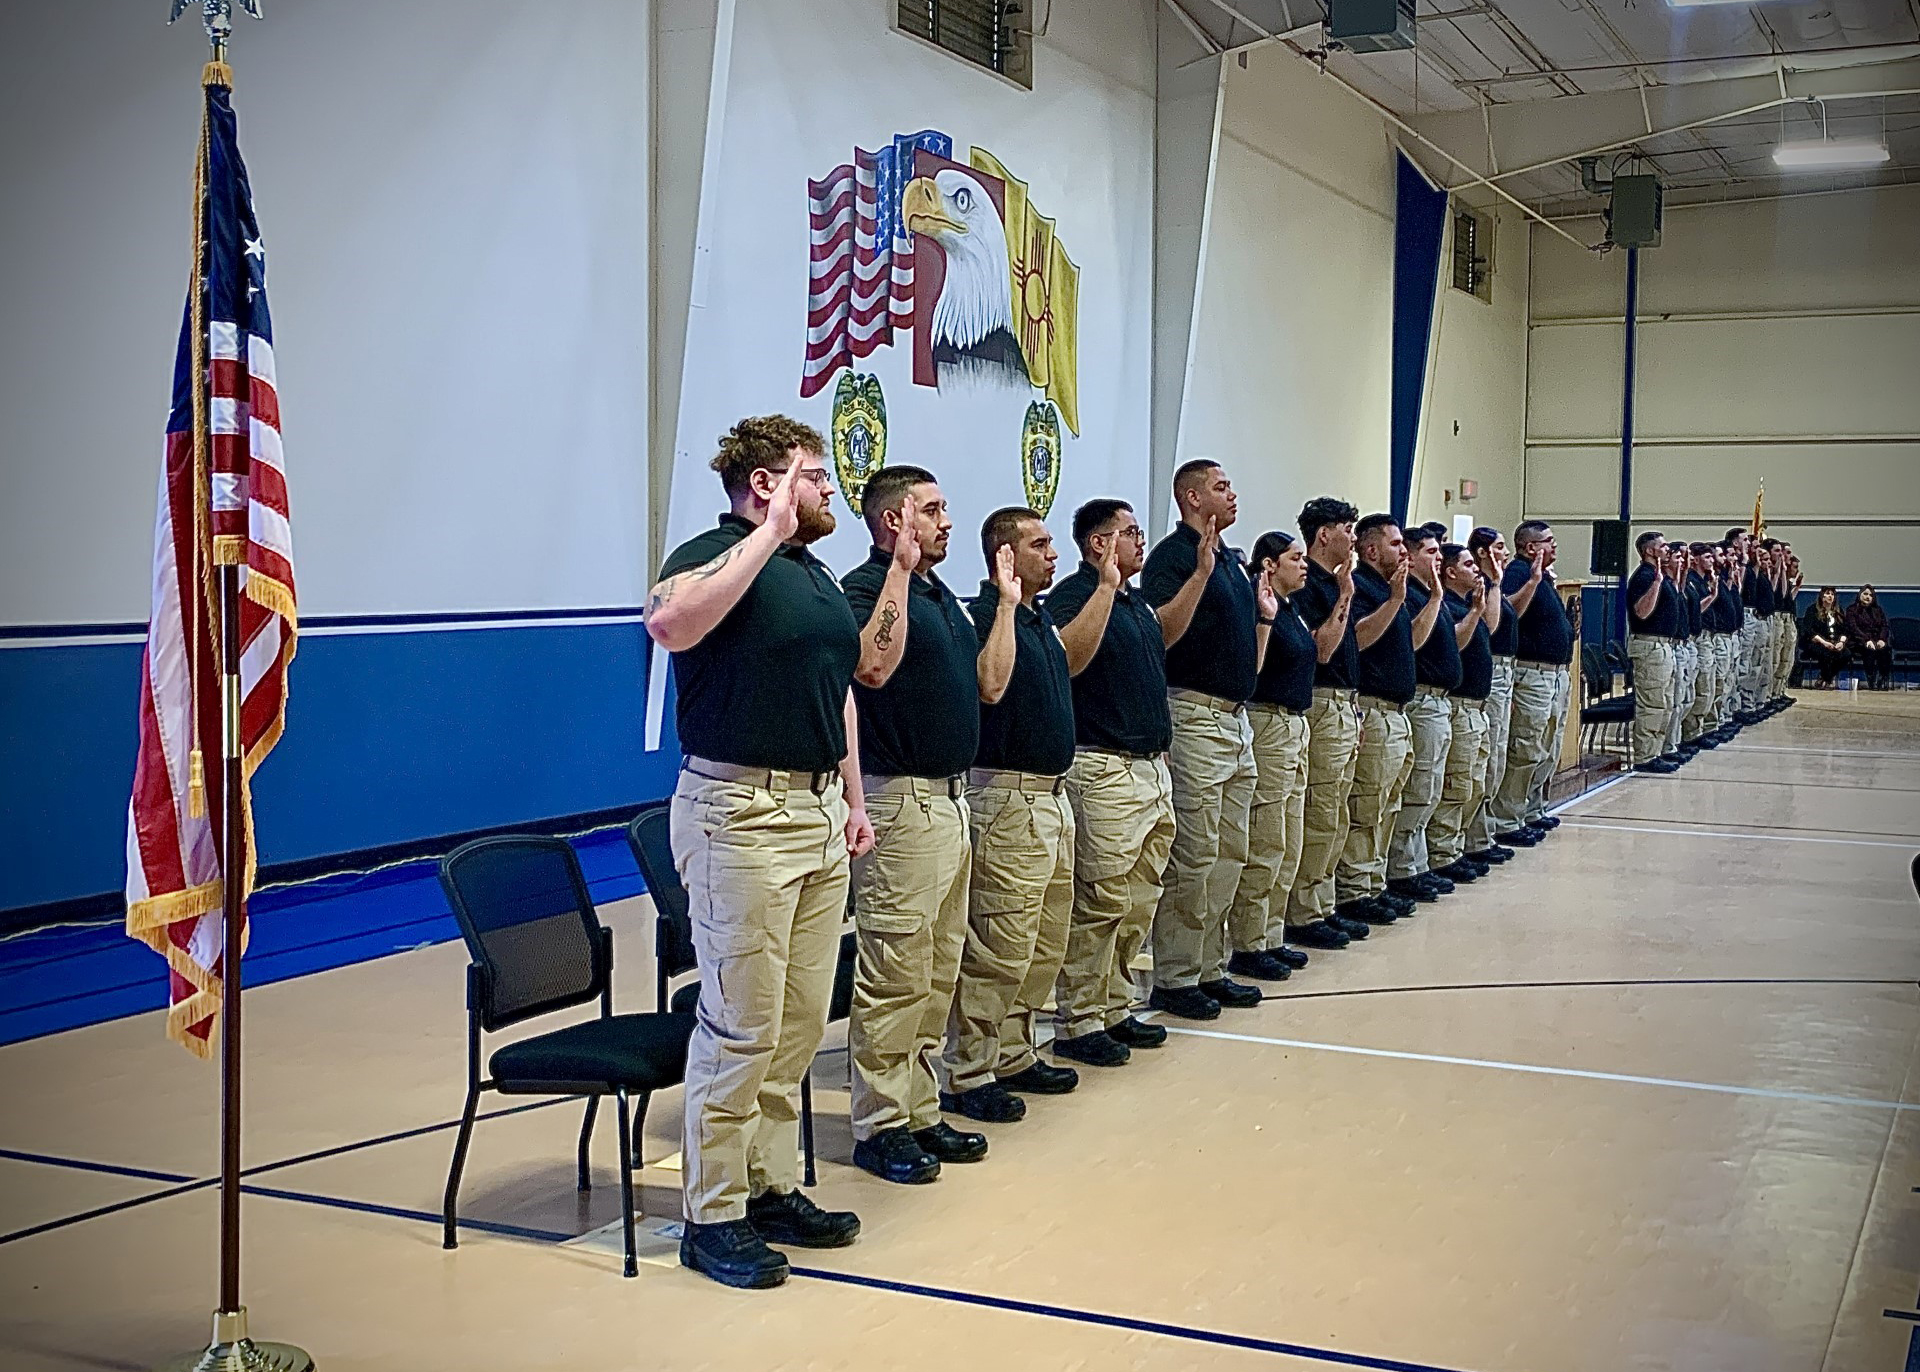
(973, 337)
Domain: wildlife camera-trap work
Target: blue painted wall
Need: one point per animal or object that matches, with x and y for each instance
(391, 737)
(1900, 602)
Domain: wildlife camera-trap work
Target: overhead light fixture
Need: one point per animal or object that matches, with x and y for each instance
(1830, 153)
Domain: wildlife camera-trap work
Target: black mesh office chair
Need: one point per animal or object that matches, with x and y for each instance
(538, 947)
(1602, 709)
(652, 848)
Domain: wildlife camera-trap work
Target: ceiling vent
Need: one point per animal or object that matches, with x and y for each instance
(996, 35)
(1370, 25)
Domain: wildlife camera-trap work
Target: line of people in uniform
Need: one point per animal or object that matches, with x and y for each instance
(1712, 637)
(1224, 760)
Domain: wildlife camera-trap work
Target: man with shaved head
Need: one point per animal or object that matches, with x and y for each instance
(1208, 617)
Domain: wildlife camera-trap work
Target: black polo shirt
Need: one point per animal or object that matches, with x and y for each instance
(1759, 593)
(1216, 653)
(1030, 728)
(1286, 677)
(1386, 669)
(1437, 661)
(1543, 634)
(1696, 592)
(1476, 659)
(767, 687)
(1315, 601)
(1502, 639)
(925, 722)
(1665, 619)
(1120, 697)
(1727, 610)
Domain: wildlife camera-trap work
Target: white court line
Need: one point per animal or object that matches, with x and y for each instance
(1715, 1087)
(1823, 752)
(1725, 833)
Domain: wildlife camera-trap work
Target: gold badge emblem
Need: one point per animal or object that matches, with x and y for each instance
(859, 433)
(1040, 455)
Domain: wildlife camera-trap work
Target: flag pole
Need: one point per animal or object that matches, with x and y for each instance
(231, 1349)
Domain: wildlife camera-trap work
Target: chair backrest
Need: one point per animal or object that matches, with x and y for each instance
(1595, 675)
(1903, 634)
(530, 926)
(650, 838)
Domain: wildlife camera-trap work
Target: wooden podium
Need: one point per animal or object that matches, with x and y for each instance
(1570, 744)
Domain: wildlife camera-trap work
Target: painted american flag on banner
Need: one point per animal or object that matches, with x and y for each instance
(223, 502)
(860, 271)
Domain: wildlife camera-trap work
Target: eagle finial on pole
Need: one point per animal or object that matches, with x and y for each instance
(217, 16)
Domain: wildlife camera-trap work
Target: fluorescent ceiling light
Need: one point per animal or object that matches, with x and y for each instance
(1831, 152)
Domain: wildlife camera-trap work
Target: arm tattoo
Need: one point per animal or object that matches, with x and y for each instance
(665, 590)
(888, 614)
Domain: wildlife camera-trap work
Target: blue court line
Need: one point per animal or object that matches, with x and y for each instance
(112, 1169)
(1019, 1307)
(514, 1231)
(94, 1214)
(1127, 1322)
(196, 1184)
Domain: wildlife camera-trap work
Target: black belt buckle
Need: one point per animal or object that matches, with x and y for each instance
(817, 782)
(1059, 786)
(956, 786)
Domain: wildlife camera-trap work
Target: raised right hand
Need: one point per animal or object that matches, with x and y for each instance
(906, 546)
(1209, 541)
(1003, 576)
(783, 506)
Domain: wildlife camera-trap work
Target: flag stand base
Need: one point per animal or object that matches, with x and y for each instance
(232, 1351)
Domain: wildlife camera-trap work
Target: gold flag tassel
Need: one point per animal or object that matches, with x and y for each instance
(197, 784)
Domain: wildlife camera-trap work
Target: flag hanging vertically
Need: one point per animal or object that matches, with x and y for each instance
(1045, 291)
(223, 502)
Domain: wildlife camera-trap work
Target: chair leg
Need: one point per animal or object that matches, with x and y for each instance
(632, 1268)
(640, 1128)
(465, 1137)
(586, 1137)
(806, 1127)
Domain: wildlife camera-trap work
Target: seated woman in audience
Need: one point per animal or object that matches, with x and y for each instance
(1823, 635)
(1867, 631)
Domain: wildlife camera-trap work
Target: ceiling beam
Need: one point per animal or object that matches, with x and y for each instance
(1513, 140)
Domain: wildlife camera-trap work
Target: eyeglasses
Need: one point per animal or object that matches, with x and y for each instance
(819, 476)
(1136, 533)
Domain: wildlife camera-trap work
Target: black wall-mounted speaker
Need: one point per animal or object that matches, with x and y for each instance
(1609, 547)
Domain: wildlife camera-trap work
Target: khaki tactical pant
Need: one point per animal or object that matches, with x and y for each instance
(1686, 665)
(910, 918)
(1531, 743)
(1499, 721)
(1653, 672)
(1213, 779)
(1333, 747)
(1430, 724)
(1556, 737)
(766, 873)
(1465, 783)
(1379, 776)
(1727, 696)
(1123, 826)
(1706, 688)
(1258, 917)
(1756, 660)
(1018, 910)
(1786, 647)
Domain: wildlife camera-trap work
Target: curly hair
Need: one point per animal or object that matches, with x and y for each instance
(761, 443)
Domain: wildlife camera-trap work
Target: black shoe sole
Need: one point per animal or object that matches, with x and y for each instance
(742, 1281)
(1185, 1014)
(1074, 1057)
(798, 1241)
(951, 1105)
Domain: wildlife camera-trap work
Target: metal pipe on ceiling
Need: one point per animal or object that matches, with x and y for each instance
(1393, 119)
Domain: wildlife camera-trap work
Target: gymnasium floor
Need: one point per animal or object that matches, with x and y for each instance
(1643, 1101)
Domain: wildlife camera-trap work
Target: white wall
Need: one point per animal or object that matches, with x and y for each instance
(1777, 340)
(805, 86)
(453, 196)
(1473, 424)
(1289, 384)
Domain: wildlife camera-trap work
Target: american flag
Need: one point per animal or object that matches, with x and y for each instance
(860, 277)
(223, 501)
